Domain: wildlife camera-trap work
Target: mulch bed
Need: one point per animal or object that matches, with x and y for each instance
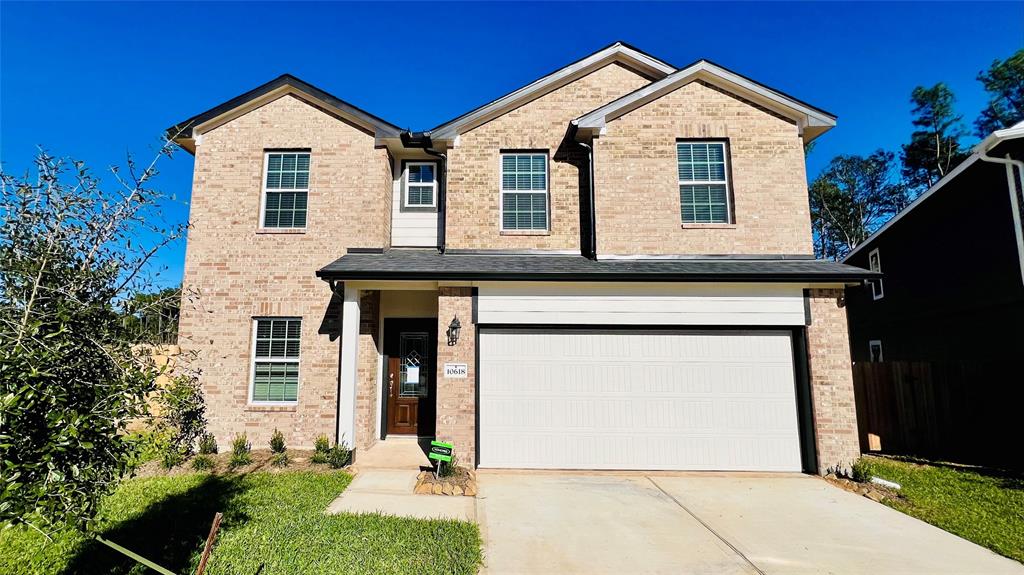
(299, 461)
(462, 482)
(870, 490)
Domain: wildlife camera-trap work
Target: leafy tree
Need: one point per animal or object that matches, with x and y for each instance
(153, 317)
(1004, 82)
(852, 198)
(71, 378)
(934, 147)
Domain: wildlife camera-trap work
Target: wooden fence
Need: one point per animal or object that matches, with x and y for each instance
(968, 412)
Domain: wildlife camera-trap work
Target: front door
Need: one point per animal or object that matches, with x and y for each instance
(410, 346)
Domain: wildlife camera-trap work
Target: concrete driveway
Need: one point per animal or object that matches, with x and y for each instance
(539, 522)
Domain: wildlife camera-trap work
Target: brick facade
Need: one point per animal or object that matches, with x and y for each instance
(474, 173)
(456, 398)
(831, 375)
(240, 272)
(636, 180)
(368, 374)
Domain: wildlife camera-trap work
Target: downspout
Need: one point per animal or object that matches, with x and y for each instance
(442, 197)
(1011, 183)
(590, 250)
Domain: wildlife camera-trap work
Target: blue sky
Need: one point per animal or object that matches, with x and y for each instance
(96, 80)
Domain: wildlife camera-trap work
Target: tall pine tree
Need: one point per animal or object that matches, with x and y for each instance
(1004, 82)
(934, 147)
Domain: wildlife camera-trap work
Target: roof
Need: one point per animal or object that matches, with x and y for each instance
(994, 139)
(397, 264)
(183, 132)
(620, 52)
(812, 121)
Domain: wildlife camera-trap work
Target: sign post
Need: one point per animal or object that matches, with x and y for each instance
(442, 453)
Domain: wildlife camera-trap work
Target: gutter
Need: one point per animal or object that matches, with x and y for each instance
(589, 250)
(1011, 183)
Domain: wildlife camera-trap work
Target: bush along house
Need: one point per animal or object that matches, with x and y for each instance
(609, 268)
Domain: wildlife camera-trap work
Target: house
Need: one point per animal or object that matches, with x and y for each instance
(608, 268)
(944, 323)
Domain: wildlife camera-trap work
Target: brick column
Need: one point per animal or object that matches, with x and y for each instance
(456, 398)
(367, 363)
(831, 375)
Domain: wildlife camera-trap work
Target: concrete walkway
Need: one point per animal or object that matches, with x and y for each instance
(385, 476)
(704, 523)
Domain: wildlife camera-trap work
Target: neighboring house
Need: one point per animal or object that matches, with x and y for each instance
(953, 263)
(610, 268)
(936, 340)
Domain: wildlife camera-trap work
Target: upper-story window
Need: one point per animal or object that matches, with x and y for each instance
(524, 191)
(703, 182)
(420, 185)
(285, 189)
(875, 265)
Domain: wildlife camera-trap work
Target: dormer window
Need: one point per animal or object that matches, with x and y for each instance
(285, 190)
(703, 182)
(420, 186)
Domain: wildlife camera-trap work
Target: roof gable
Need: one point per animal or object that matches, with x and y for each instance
(185, 133)
(619, 52)
(811, 121)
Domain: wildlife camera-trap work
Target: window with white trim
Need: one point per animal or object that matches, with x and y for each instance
(875, 350)
(275, 369)
(875, 265)
(703, 182)
(420, 185)
(285, 189)
(524, 191)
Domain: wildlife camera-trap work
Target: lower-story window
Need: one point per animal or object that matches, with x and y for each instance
(275, 367)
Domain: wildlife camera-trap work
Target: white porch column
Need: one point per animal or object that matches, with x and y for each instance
(348, 368)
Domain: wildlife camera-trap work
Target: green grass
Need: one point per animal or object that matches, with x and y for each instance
(983, 506)
(273, 525)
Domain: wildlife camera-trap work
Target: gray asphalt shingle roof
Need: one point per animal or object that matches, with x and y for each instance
(397, 264)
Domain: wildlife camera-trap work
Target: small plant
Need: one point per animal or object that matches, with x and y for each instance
(202, 462)
(281, 459)
(277, 442)
(207, 444)
(448, 469)
(240, 448)
(322, 444)
(339, 456)
(169, 459)
(861, 471)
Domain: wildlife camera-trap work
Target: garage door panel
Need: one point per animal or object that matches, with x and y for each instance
(638, 400)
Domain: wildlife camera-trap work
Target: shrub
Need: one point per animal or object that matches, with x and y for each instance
(181, 418)
(861, 470)
(448, 469)
(339, 456)
(280, 459)
(277, 442)
(202, 462)
(322, 444)
(240, 448)
(171, 458)
(319, 457)
(207, 444)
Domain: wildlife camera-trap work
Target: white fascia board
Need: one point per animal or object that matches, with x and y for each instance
(995, 138)
(352, 114)
(614, 53)
(938, 185)
(718, 76)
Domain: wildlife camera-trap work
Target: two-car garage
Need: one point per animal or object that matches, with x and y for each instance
(638, 399)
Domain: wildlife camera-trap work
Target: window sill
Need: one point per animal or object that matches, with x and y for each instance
(280, 231)
(708, 226)
(525, 232)
(271, 407)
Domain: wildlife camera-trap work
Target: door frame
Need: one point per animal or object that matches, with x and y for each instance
(391, 327)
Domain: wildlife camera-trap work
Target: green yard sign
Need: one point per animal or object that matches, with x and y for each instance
(441, 451)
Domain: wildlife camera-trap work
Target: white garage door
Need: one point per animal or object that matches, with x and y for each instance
(708, 400)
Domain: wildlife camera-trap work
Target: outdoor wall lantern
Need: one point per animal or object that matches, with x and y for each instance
(453, 331)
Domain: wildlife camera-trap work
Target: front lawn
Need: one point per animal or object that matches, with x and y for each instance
(983, 506)
(274, 524)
